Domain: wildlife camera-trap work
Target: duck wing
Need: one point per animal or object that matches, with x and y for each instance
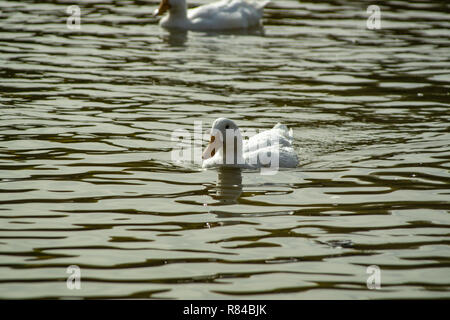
(278, 135)
(227, 14)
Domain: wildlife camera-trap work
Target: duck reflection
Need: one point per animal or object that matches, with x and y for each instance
(179, 37)
(229, 185)
(175, 37)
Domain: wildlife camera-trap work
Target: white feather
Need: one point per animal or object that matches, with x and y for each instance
(275, 144)
(221, 15)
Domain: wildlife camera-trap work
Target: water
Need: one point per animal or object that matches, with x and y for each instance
(85, 147)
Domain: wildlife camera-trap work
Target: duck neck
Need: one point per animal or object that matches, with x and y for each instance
(232, 149)
(178, 12)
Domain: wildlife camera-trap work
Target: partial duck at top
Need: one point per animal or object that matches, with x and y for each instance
(216, 16)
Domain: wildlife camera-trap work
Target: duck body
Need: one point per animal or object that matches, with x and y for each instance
(276, 142)
(272, 148)
(216, 16)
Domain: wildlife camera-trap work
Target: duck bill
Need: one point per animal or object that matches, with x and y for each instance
(210, 150)
(163, 7)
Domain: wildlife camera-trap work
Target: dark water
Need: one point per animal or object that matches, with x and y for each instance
(87, 177)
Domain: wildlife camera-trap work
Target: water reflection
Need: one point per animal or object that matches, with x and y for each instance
(229, 185)
(255, 31)
(175, 37)
(179, 37)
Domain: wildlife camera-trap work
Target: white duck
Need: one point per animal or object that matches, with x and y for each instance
(221, 15)
(268, 149)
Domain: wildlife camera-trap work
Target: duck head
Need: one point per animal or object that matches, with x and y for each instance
(170, 5)
(225, 139)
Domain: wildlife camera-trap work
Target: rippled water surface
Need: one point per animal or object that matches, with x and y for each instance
(86, 138)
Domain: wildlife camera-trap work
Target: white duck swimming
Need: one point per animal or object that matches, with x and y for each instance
(221, 15)
(268, 149)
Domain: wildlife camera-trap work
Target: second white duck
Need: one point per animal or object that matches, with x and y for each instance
(221, 15)
(272, 148)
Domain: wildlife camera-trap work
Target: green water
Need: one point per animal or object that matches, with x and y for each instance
(87, 179)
